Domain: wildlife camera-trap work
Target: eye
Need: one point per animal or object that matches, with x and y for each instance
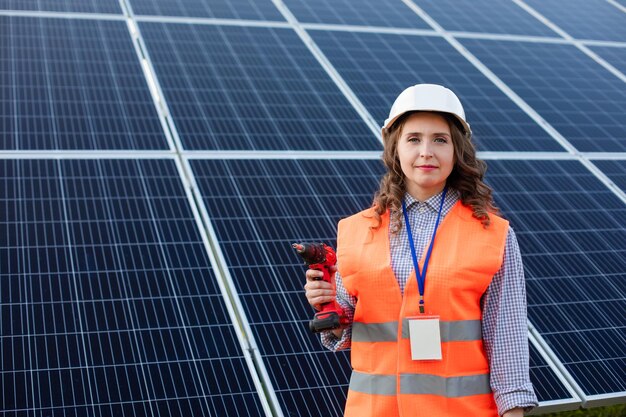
(441, 139)
(413, 139)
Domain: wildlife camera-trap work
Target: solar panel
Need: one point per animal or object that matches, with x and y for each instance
(614, 56)
(384, 13)
(578, 97)
(109, 303)
(573, 240)
(112, 301)
(226, 9)
(498, 124)
(244, 88)
(584, 19)
(80, 6)
(258, 208)
(615, 170)
(75, 85)
(484, 16)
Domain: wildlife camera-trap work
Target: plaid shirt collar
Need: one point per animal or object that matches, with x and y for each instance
(432, 204)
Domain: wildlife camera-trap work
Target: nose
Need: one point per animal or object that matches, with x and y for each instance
(425, 150)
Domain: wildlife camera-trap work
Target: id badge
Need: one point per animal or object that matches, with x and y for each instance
(425, 338)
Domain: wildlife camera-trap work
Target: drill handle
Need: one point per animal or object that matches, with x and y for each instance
(328, 277)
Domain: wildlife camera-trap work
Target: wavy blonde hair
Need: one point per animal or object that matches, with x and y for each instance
(466, 176)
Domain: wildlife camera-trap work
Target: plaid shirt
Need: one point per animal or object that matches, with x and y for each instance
(504, 328)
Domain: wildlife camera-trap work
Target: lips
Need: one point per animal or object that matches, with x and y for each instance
(426, 167)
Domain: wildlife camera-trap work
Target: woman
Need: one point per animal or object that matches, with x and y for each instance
(451, 339)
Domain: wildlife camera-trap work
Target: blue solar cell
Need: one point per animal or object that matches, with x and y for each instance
(614, 56)
(573, 240)
(243, 88)
(74, 84)
(498, 124)
(384, 13)
(578, 97)
(615, 170)
(109, 304)
(79, 6)
(584, 19)
(227, 9)
(484, 16)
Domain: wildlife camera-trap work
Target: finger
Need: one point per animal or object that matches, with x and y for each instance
(317, 285)
(313, 274)
(319, 292)
(316, 302)
(315, 298)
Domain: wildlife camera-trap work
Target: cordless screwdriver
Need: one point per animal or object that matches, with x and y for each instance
(322, 257)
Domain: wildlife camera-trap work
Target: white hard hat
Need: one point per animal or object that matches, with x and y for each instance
(427, 97)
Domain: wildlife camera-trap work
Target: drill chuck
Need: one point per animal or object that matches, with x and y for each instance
(312, 253)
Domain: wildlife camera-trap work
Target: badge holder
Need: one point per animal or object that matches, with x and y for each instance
(425, 336)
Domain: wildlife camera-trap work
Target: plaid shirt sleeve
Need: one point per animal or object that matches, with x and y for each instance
(505, 332)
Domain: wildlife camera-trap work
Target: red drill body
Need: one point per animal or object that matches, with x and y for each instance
(321, 257)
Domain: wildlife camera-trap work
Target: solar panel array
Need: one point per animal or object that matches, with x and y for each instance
(159, 157)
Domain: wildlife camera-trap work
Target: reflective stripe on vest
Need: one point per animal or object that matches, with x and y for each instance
(451, 331)
(452, 387)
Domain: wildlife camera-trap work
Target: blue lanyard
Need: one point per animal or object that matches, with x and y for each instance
(421, 276)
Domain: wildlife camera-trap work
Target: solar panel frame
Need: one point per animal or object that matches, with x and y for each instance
(498, 124)
(576, 96)
(382, 13)
(566, 247)
(584, 19)
(76, 84)
(484, 16)
(220, 9)
(75, 6)
(256, 108)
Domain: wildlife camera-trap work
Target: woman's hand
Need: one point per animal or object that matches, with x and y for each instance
(318, 292)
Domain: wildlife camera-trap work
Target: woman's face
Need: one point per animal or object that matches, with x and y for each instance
(426, 154)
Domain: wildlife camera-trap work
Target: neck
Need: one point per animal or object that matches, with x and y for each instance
(422, 194)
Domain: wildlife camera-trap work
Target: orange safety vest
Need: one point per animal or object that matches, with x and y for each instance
(385, 381)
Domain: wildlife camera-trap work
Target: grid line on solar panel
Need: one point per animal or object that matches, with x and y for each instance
(229, 9)
(261, 207)
(96, 328)
(615, 170)
(483, 16)
(497, 123)
(584, 19)
(385, 13)
(80, 6)
(571, 231)
(575, 95)
(244, 88)
(614, 56)
(74, 84)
